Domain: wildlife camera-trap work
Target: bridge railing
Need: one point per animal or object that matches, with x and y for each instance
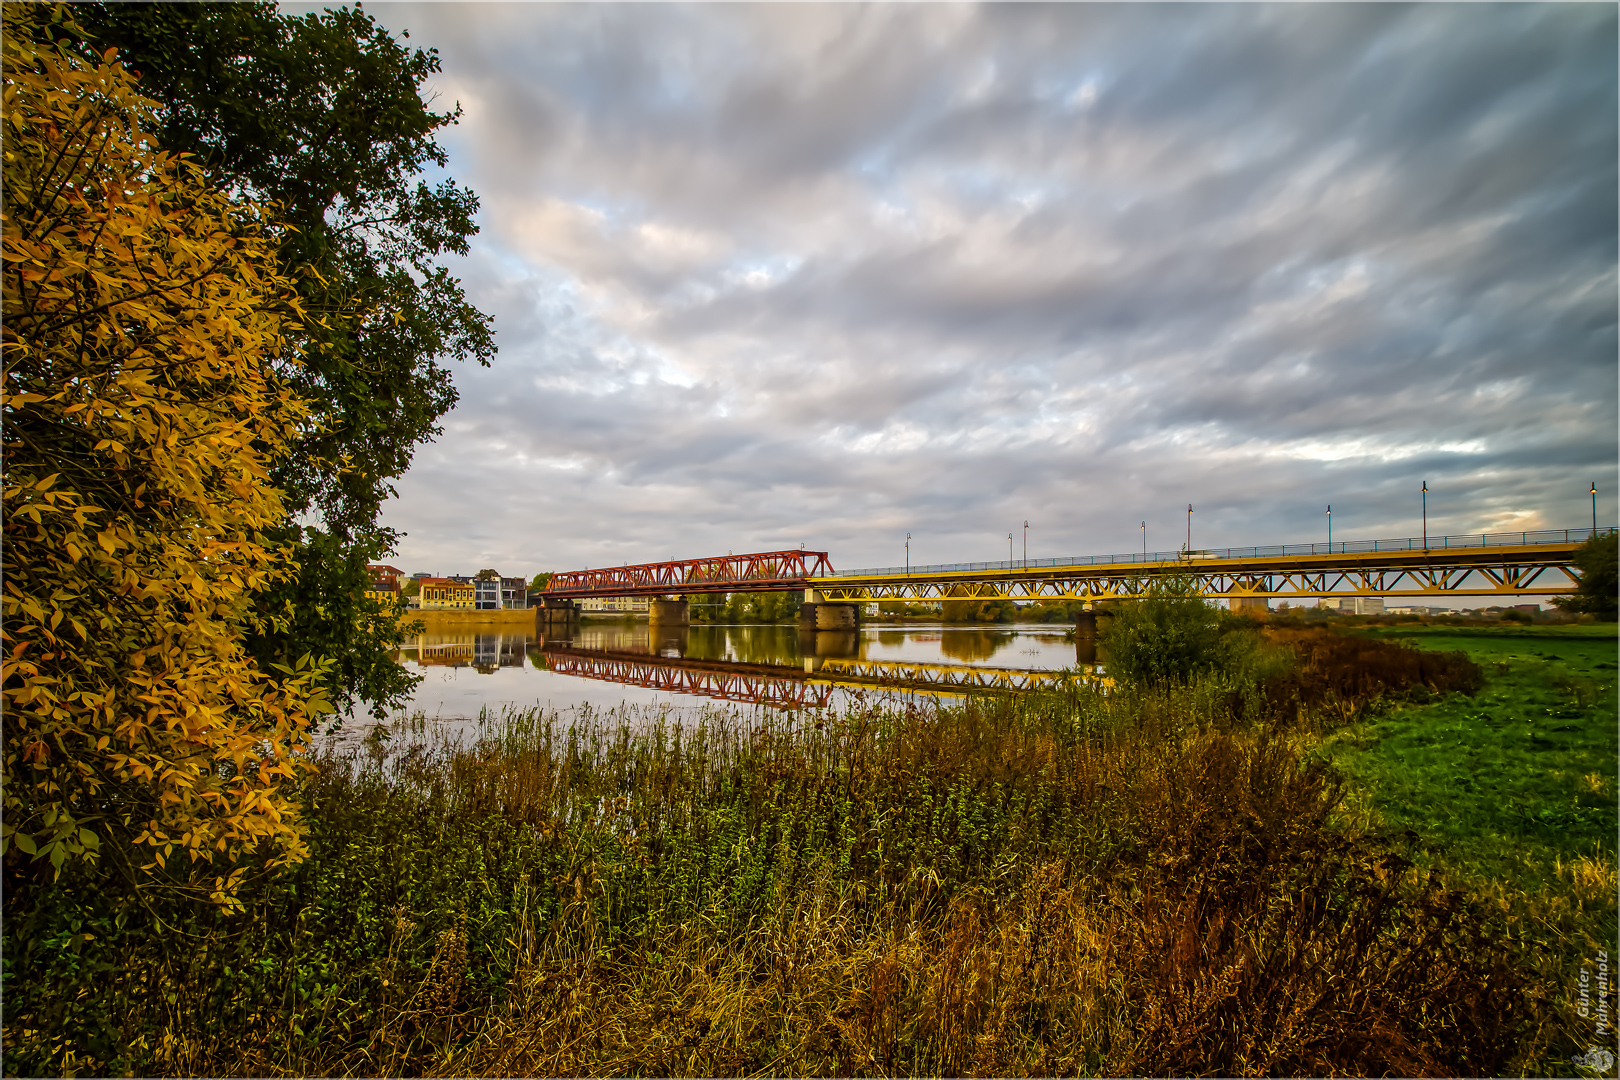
(1342, 547)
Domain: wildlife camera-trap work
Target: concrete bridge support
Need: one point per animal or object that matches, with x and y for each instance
(830, 616)
(556, 615)
(1257, 606)
(668, 613)
(818, 613)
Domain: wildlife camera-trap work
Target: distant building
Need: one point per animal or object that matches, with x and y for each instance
(383, 584)
(1533, 609)
(618, 605)
(442, 593)
(1361, 605)
(486, 586)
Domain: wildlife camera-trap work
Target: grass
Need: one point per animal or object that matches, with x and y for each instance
(1515, 782)
(1077, 882)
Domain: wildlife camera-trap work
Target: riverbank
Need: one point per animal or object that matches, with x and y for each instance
(1067, 882)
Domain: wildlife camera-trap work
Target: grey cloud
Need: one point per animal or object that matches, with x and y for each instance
(829, 273)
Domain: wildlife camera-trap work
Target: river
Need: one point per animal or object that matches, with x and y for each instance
(683, 670)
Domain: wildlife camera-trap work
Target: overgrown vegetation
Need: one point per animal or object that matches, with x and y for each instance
(1163, 879)
(1078, 882)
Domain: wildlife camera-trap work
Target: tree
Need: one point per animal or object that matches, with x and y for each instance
(141, 417)
(1170, 635)
(1599, 563)
(977, 610)
(321, 115)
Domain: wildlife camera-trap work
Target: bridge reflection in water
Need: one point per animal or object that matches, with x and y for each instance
(776, 666)
(830, 661)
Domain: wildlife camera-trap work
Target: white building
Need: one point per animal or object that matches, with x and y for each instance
(1361, 605)
(617, 605)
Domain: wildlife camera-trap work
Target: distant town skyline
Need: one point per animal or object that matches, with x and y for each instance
(830, 275)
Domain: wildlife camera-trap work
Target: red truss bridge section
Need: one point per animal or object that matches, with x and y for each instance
(763, 571)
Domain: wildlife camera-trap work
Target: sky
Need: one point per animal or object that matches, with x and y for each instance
(771, 276)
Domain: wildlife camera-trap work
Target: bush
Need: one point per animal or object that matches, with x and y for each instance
(1343, 673)
(1172, 635)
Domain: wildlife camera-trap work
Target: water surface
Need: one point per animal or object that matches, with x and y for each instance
(606, 664)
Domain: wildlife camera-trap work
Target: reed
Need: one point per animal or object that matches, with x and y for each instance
(1127, 883)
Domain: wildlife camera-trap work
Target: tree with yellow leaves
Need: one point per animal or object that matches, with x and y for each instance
(140, 420)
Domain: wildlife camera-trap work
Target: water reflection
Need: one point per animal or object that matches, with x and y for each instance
(483, 652)
(971, 645)
(779, 666)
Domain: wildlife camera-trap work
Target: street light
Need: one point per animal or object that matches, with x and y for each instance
(1594, 508)
(1009, 549)
(1330, 528)
(908, 553)
(1026, 543)
(1189, 528)
(1425, 515)
(1144, 541)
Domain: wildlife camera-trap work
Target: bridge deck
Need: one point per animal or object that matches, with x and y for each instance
(1477, 564)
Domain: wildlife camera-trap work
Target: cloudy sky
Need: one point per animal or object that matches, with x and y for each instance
(764, 276)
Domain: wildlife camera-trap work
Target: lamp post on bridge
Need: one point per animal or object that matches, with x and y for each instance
(1330, 528)
(1009, 550)
(1594, 508)
(908, 554)
(1425, 515)
(1144, 541)
(1026, 543)
(1189, 528)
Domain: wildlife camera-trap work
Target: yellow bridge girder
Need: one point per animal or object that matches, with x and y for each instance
(1528, 569)
(932, 678)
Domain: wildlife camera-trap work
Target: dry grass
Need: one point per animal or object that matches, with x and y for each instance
(1077, 883)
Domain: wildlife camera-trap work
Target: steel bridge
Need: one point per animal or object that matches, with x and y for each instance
(1475, 564)
(782, 686)
(764, 571)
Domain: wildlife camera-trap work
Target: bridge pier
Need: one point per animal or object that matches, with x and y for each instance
(1257, 606)
(1087, 623)
(818, 613)
(663, 612)
(830, 616)
(555, 615)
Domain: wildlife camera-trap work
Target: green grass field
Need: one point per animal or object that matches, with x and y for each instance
(1514, 782)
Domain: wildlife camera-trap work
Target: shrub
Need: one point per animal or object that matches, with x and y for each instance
(1172, 635)
(1344, 673)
